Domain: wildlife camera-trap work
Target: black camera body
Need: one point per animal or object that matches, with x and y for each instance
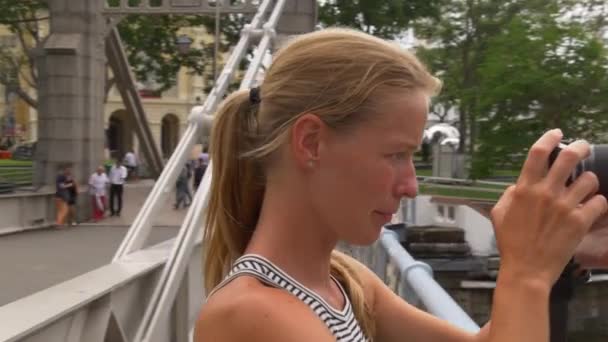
(597, 162)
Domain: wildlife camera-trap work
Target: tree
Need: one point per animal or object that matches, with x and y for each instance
(150, 42)
(453, 45)
(508, 68)
(540, 74)
(382, 18)
(16, 60)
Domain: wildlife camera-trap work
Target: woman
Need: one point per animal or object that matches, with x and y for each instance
(98, 183)
(63, 191)
(322, 152)
(72, 200)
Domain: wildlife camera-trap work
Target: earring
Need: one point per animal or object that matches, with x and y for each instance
(311, 163)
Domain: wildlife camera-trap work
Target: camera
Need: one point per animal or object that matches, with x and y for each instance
(597, 162)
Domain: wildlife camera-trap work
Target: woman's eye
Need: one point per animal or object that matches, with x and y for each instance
(399, 156)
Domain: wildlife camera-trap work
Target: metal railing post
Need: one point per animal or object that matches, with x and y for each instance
(418, 277)
(140, 230)
(190, 232)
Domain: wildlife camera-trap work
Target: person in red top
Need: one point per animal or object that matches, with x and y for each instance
(98, 183)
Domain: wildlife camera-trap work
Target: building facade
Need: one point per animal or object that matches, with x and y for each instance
(167, 113)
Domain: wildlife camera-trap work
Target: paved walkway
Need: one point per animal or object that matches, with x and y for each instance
(34, 260)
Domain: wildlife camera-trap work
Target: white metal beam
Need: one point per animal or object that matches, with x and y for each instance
(184, 7)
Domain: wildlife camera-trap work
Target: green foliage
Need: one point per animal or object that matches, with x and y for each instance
(17, 12)
(514, 70)
(150, 42)
(17, 62)
(382, 18)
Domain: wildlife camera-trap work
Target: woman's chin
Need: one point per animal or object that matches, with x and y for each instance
(366, 236)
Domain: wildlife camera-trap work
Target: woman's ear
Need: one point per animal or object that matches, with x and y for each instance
(306, 135)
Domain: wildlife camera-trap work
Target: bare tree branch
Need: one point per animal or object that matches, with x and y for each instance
(30, 82)
(5, 80)
(26, 97)
(27, 52)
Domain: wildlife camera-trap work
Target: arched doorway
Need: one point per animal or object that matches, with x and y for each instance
(119, 134)
(169, 134)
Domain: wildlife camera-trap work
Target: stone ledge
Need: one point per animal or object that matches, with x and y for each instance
(434, 234)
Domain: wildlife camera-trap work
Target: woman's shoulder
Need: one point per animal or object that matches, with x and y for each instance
(368, 279)
(245, 309)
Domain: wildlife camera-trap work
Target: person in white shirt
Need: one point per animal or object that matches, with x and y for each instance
(97, 188)
(131, 164)
(118, 175)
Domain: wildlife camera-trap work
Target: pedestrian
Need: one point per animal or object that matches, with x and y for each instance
(182, 190)
(323, 152)
(63, 184)
(131, 163)
(98, 183)
(204, 155)
(72, 200)
(118, 176)
(189, 177)
(199, 172)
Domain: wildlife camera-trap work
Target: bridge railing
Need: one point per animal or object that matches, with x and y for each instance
(190, 234)
(410, 279)
(145, 294)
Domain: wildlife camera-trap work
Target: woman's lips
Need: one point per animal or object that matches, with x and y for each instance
(386, 216)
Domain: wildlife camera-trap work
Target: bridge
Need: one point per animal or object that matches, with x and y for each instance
(138, 277)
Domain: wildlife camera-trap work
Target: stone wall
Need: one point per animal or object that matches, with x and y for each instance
(36, 210)
(588, 310)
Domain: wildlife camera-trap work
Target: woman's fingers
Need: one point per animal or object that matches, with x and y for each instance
(591, 211)
(583, 187)
(566, 162)
(601, 223)
(536, 165)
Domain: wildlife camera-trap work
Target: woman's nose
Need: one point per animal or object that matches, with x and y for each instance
(408, 184)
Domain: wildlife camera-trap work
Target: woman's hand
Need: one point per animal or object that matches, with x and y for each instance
(539, 221)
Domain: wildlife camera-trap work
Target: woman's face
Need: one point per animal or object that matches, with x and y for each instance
(363, 174)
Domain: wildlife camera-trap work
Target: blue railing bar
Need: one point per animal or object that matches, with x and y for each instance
(419, 278)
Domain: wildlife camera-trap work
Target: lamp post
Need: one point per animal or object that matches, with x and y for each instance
(183, 43)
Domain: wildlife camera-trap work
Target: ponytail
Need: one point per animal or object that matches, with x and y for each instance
(343, 270)
(237, 188)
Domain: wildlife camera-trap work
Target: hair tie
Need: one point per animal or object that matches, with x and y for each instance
(254, 95)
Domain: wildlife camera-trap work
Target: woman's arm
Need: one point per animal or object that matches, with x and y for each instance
(539, 222)
(519, 312)
(397, 321)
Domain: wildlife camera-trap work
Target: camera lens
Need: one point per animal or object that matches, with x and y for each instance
(597, 162)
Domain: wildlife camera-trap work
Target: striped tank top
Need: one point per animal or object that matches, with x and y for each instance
(341, 323)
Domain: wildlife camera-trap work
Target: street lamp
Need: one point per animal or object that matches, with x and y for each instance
(183, 43)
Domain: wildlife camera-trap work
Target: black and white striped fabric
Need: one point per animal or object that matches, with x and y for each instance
(342, 323)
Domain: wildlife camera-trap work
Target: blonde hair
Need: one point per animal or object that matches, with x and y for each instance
(341, 76)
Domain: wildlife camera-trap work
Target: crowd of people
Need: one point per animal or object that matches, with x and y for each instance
(193, 173)
(106, 188)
